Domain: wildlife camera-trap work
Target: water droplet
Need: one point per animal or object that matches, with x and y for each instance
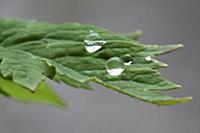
(127, 59)
(115, 66)
(93, 42)
(148, 58)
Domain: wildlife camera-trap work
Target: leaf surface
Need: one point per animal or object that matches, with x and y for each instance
(32, 51)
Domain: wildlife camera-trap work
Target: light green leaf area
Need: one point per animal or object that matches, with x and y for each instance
(32, 51)
(44, 93)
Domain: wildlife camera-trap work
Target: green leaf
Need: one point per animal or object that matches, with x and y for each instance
(44, 93)
(31, 52)
(29, 70)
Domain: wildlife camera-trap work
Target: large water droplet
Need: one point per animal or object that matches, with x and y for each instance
(93, 42)
(115, 66)
(148, 58)
(127, 59)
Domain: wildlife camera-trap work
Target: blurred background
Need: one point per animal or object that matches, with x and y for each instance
(102, 110)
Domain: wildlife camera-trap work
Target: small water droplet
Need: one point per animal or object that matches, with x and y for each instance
(148, 58)
(127, 59)
(115, 66)
(93, 42)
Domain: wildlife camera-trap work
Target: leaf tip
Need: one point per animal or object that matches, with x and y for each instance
(139, 32)
(187, 99)
(178, 46)
(177, 101)
(178, 86)
(190, 98)
(164, 65)
(135, 35)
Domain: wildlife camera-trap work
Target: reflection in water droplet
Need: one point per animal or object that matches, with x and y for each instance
(115, 66)
(93, 42)
(127, 59)
(148, 58)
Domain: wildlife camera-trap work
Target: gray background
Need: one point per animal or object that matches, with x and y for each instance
(102, 110)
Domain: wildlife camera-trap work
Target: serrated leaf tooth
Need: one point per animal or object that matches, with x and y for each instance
(164, 65)
(162, 49)
(135, 35)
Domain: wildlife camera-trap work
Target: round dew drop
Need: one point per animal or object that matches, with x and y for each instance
(115, 66)
(148, 58)
(128, 60)
(93, 42)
